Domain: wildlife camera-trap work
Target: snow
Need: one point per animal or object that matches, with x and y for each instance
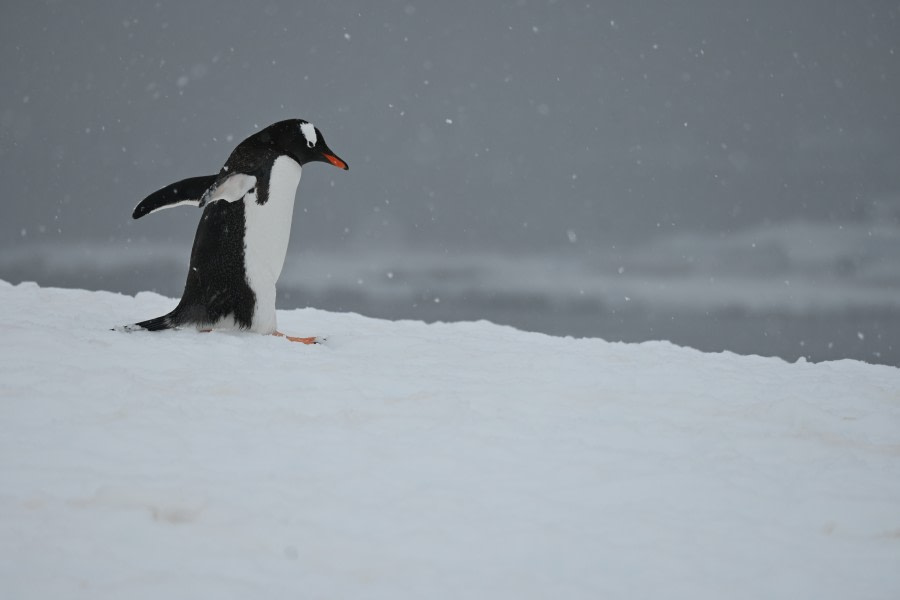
(405, 460)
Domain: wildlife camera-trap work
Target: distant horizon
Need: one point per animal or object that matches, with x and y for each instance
(823, 292)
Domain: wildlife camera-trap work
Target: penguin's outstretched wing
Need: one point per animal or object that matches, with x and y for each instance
(229, 188)
(187, 191)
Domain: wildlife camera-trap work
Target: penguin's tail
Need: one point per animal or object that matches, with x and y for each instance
(169, 321)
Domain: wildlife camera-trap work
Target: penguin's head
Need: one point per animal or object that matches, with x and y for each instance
(303, 142)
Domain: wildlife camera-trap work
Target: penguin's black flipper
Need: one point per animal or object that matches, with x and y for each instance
(187, 191)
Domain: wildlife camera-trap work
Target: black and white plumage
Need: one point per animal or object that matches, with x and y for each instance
(241, 240)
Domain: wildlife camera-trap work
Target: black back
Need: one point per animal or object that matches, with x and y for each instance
(216, 283)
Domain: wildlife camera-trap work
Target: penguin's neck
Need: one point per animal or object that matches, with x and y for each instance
(268, 226)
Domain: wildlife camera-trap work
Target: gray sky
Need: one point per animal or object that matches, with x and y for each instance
(501, 125)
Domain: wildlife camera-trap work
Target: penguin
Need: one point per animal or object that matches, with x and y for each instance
(242, 238)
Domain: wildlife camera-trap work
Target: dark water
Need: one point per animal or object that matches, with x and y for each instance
(868, 336)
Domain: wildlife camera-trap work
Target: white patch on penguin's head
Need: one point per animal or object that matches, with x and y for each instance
(309, 132)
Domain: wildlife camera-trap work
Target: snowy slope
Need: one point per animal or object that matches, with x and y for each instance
(404, 460)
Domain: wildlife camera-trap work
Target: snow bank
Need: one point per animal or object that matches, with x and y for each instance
(404, 460)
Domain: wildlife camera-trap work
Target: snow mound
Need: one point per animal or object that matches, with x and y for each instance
(405, 460)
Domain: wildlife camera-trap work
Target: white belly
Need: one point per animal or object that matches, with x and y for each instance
(266, 239)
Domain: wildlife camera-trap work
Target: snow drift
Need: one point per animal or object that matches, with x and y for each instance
(405, 460)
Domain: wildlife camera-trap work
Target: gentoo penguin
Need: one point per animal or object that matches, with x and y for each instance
(242, 237)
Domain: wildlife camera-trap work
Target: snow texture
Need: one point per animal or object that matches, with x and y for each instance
(405, 460)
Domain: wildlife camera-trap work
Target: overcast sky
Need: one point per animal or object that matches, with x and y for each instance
(477, 124)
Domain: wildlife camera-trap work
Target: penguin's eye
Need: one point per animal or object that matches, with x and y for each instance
(309, 144)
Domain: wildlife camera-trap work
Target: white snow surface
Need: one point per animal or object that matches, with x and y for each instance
(405, 460)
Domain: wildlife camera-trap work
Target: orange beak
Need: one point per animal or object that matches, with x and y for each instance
(336, 161)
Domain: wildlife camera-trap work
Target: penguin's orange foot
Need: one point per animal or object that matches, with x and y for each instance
(302, 340)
